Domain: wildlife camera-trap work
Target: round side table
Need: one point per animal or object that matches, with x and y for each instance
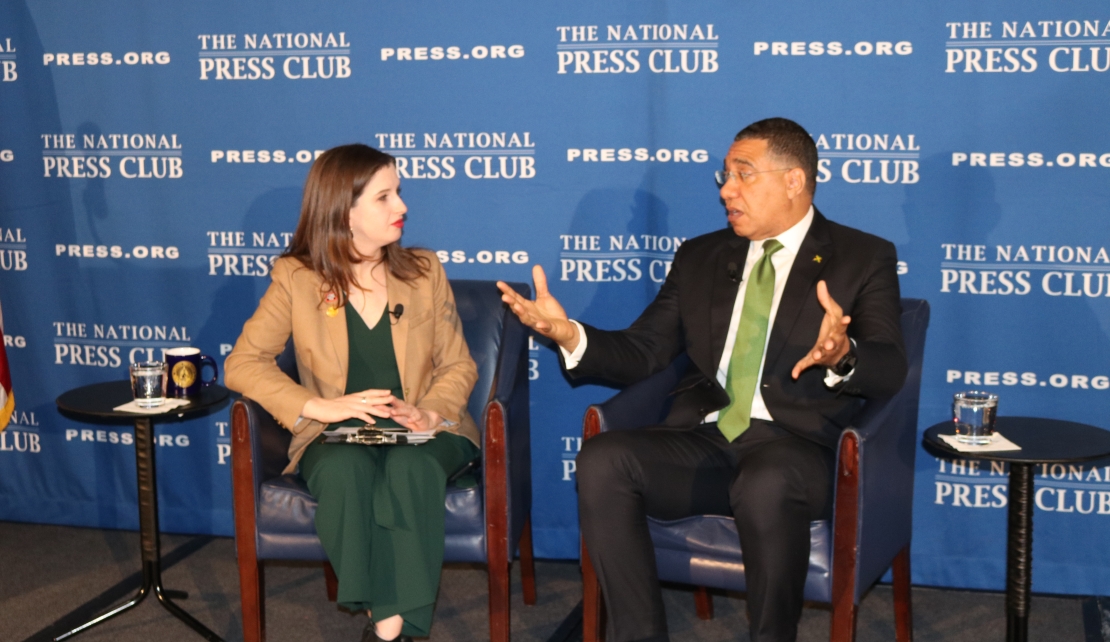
(98, 401)
(1042, 441)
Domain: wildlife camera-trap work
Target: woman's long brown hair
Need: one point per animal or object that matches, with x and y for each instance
(323, 241)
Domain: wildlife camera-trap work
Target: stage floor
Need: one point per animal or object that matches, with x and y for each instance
(48, 572)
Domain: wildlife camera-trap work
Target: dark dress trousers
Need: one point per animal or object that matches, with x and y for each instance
(777, 476)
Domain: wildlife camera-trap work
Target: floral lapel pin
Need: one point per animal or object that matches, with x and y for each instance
(331, 300)
(817, 258)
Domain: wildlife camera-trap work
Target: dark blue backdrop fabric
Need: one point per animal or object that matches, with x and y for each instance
(152, 157)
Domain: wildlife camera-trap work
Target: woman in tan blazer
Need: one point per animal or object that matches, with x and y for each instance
(378, 341)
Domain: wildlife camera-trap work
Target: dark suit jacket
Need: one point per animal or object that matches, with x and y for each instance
(691, 314)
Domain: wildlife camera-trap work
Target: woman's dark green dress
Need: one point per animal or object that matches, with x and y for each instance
(381, 508)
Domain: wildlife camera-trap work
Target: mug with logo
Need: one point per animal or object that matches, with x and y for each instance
(184, 365)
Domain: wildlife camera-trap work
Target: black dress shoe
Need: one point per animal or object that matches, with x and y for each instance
(369, 634)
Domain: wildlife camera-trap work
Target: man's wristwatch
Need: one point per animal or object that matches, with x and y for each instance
(846, 364)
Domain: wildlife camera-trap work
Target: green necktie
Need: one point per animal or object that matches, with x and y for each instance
(751, 337)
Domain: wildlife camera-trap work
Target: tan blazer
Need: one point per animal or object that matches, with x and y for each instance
(437, 372)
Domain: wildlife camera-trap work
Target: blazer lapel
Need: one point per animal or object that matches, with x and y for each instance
(723, 296)
(336, 327)
(815, 253)
(400, 294)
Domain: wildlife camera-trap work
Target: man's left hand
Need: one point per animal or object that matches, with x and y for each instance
(832, 342)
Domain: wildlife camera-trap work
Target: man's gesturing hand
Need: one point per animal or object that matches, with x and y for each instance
(544, 315)
(832, 342)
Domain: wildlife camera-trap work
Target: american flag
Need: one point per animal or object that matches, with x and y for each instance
(7, 399)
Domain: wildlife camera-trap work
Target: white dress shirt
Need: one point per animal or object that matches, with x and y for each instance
(783, 260)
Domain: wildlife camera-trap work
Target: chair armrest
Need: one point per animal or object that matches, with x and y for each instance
(506, 451)
(246, 476)
(876, 463)
(644, 403)
(259, 451)
(246, 460)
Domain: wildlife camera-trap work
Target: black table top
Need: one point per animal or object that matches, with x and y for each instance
(1042, 441)
(99, 399)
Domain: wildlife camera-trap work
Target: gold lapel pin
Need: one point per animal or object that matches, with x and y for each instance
(816, 258)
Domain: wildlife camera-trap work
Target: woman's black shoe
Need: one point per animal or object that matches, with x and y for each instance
(370, 635)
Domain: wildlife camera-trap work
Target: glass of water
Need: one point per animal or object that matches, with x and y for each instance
(148, 383)
(973, 413)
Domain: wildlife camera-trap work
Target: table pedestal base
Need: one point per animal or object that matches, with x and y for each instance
(152, 582)
(1019, 552)
(148, 539)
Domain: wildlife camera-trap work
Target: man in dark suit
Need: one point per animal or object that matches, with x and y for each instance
(791, 321)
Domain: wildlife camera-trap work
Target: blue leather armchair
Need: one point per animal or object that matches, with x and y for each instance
(872, 517)
(485, 523)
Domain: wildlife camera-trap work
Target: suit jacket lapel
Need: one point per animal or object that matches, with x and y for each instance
(400, 294)
(801, 286)
(723, 296)
(336, 326)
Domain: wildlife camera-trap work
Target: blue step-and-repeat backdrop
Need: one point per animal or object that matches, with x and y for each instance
(152, 157)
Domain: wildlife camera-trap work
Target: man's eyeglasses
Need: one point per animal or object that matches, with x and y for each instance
(745, 176)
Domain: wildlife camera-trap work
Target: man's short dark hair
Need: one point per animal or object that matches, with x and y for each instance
(787, 140)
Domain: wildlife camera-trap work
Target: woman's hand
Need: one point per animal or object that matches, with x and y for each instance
(360, 405)
(413, 418)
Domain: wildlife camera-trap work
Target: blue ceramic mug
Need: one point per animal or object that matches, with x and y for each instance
(184, 365)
